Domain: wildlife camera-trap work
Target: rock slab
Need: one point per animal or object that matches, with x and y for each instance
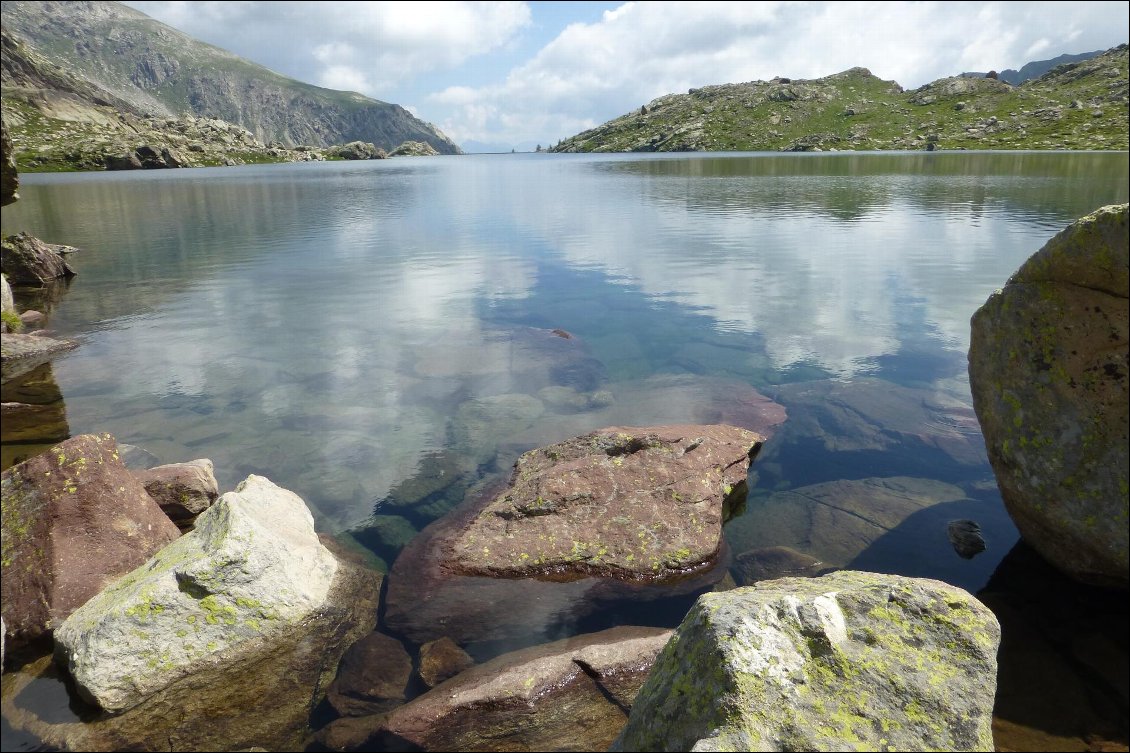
(251, 571)
(1049, 369)
(74, 519)
(30, 261)
(571, 694)
(624, 502)
(848, 661)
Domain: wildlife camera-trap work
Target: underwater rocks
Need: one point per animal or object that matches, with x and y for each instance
(1049, 370)
(74, 519)
(849, 661)
(621, 513)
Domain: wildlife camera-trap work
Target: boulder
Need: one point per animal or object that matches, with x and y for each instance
(373, 676)
(966, 538)
(248, 575)
(1048, 368)
(7, 302)
(441, 660)
(123, 161)
(255, 697)
(848, 661)
(183, 490)
(356, 150)
(572, 694)
(620, 513)
(30, 261)
(414, 149)
(74, 519)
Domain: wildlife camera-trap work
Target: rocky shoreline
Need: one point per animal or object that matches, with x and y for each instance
(183, 618)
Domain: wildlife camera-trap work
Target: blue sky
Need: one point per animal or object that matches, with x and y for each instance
(501, 75)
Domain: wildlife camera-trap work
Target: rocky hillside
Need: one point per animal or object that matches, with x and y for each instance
(124, 59)
(1080, 105)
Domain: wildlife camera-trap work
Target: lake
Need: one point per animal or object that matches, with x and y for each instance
(379, 336)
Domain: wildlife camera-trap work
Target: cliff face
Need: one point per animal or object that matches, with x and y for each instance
(140, 65)
(1081, 105)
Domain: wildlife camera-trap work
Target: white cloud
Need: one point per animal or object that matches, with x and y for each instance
(381, 43)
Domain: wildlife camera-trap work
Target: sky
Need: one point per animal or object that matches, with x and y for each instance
(500, 75)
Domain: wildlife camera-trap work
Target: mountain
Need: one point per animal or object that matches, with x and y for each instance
(140, 66)
(1038, 68)
(1080, 105)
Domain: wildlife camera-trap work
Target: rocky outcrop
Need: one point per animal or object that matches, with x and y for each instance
(373, 676)
(414, 149)
(849, 661)
(9, 179)
(248, 575)
(356, 150)
(1049, 370)
(74, 519)
(183, 490)
(621, 513)
(572, 694)
(29, 261)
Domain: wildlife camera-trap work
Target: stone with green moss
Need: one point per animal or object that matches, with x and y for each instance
(1050, 375)
(251, 570)
(849, 661)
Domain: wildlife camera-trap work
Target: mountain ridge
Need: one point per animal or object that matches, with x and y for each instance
(161, 72)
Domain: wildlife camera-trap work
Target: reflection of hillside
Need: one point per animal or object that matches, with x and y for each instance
(147, 236)
(827, 256)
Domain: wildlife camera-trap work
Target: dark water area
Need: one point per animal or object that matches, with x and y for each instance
(376, 337)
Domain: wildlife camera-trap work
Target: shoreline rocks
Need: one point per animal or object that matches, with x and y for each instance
(848, 661)
(1049, 370)
(251, 571)
(74, 519)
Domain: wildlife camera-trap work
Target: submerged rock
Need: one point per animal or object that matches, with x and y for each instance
(74, 519)
(1049, 368)
(773, 562)
(441, 660)
(838, 520)
(249, 574)
(849, 661)
(618, 514)
(572, 694)
(373, 676)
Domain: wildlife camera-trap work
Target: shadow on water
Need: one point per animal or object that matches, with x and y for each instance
(1062, 682)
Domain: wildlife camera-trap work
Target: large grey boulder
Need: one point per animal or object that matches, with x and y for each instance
(249, 574)
(1048, 367)
(74, 519)
(849, 661)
